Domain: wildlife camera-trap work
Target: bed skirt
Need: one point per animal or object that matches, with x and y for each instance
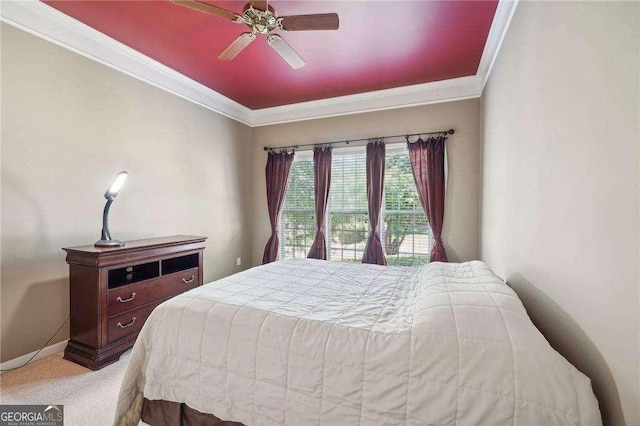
(168, 413)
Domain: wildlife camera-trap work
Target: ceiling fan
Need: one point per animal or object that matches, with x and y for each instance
(262, 19)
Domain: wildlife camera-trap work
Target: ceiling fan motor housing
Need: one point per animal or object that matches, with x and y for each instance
(260, 21)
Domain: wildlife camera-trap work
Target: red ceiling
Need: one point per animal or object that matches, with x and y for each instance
(380, 45)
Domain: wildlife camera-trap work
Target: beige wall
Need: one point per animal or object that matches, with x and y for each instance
(560, 216)
(68, 125)
(461, 223)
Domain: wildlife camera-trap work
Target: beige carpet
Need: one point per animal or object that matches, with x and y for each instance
(89, 397)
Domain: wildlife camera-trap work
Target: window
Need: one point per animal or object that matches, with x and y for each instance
(405, 233)
(298, 219)
(347, 211)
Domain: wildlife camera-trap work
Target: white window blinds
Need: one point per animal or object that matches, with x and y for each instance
(405, 233)
(297, 220)
(406, 236)
(347, 211)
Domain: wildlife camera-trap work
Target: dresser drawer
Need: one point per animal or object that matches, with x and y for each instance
(111, 286)
(123, 299)
(127, 324)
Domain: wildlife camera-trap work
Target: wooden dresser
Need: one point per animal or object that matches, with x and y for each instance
(114, 290)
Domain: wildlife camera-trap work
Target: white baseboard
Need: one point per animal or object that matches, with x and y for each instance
(49, 350)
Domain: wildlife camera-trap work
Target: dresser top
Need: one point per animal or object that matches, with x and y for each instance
(137, 245)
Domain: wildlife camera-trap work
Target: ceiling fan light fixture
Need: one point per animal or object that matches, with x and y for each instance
(260, 21)
(261, 18)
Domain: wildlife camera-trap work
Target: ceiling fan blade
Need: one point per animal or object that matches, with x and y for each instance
(210, 9)
(286, 51)
(322, 21)
(236, 47)
(260, 4)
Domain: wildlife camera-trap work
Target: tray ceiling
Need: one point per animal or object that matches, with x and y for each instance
(380, 45)
(396, 54)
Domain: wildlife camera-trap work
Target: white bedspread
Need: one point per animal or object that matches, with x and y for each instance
(312, 342)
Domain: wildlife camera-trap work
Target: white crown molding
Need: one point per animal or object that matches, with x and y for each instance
(498, 30)
(400, 97)
(49, 24)
(54, 26)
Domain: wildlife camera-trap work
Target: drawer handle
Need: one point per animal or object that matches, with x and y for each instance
(190, 280)
(129, 324)
(121, 300)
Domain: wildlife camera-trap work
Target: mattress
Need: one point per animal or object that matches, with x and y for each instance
(306, 342)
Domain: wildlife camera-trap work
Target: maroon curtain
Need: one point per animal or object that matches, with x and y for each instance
(373, 252)
(321, 183)
(427, 162)
(277, 174)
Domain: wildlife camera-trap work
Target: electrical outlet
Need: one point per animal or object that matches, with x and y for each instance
(239, 261)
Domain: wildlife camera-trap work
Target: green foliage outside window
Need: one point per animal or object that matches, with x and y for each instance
(405, 229)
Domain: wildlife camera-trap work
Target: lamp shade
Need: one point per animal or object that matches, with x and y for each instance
(116, 185)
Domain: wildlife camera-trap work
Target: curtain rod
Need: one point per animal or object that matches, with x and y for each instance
(442, 132)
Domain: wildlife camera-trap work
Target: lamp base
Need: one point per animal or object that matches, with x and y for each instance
(109, 243)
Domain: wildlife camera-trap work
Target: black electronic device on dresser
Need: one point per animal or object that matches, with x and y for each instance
(114, 290)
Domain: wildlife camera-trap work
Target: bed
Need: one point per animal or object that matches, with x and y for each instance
(311, 342)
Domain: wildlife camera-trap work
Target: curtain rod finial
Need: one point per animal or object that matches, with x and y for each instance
(451, 131)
